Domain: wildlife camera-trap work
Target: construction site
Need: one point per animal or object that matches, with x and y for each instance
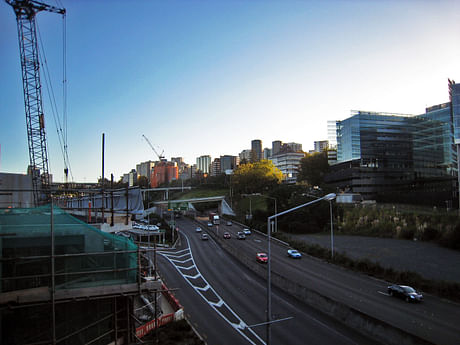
(68, 273)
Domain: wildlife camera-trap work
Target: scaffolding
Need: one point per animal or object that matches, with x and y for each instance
(63, 281)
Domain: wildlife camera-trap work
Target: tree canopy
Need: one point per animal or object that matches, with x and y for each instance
(313, 167)
(256, 177)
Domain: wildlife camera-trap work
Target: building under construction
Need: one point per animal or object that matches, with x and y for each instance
(65, 282)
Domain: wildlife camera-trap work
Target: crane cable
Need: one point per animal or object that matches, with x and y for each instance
(61, 134)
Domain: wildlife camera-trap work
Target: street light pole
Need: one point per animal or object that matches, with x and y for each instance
(332, 231)
(328, 197)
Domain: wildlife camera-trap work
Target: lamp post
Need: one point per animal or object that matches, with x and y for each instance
(328, 197)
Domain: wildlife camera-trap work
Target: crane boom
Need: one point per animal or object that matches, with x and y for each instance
(160, 156)
(25, 11)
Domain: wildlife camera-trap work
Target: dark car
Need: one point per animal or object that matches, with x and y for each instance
(241, 235)
(227, 235)
(405, 292)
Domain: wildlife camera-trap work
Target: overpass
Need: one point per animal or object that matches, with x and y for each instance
(162, 189)
(187, 204)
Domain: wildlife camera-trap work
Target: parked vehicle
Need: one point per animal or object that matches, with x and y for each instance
(405, 292)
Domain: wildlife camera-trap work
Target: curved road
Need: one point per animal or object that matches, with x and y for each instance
(435, 320)
(222, 297)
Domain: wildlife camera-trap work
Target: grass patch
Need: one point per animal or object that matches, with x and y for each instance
(444, 289)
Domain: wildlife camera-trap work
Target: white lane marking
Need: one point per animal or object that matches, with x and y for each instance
(218, 304)
(238, 327)
(185, 268)
(383, 293)
(180, 261)
(178, 256)
(198, 275)
(206, 288)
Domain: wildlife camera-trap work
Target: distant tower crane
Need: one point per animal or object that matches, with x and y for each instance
(25, 11)
(160, 156)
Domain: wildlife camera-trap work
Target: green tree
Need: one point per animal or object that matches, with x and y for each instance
(313, 168)
(256, 177)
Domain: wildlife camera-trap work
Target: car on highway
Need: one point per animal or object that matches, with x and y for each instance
(227, 235)
(294, 254)
(209, 224)
(229, 222)
(262, 258)
(204, 237)
(246, 231)
(198, 229)
(405, 292)
(241, 235)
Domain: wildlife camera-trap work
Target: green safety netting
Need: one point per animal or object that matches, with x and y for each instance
(83, 255)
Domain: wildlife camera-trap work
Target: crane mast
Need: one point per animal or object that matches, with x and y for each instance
(25, 11)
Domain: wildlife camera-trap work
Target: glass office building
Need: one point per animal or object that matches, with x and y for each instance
(383, 154)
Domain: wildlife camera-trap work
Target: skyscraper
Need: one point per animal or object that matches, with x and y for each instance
(256, 150)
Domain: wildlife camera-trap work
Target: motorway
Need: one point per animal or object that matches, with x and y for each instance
(435, 320)
(222, 298)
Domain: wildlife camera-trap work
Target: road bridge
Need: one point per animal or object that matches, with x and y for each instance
(223, 206)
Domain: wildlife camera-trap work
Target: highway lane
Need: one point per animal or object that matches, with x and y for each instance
(245, 294)
(435, 319)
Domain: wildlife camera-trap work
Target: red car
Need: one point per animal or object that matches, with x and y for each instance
(262, 258)
(227, 235)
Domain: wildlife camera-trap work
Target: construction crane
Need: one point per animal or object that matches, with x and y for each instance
(160, 156)
(25, 11)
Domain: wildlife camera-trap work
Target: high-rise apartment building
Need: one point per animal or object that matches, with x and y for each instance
(256, 150)
(203, 164)
(145, 168)
(215, 167)
(320, 146)
(276, 147)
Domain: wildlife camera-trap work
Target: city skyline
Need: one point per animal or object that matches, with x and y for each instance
(200, 78)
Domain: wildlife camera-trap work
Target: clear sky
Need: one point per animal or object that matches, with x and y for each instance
(205, 77)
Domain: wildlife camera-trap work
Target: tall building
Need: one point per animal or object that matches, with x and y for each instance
(164, 172)
(145, 168)
(276, 147)
(320, 146)
(245, 155)
(215, 167)
(267, 153)
(256, 150)
(288, 163)
(228, 162)
(203, 164)
(385, 156)
(294, 147)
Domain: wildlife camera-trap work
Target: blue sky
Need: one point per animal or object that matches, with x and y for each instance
(206, 77)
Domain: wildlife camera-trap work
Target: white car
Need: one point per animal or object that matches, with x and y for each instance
(198, 229)
(246, 231)
(209, 224)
